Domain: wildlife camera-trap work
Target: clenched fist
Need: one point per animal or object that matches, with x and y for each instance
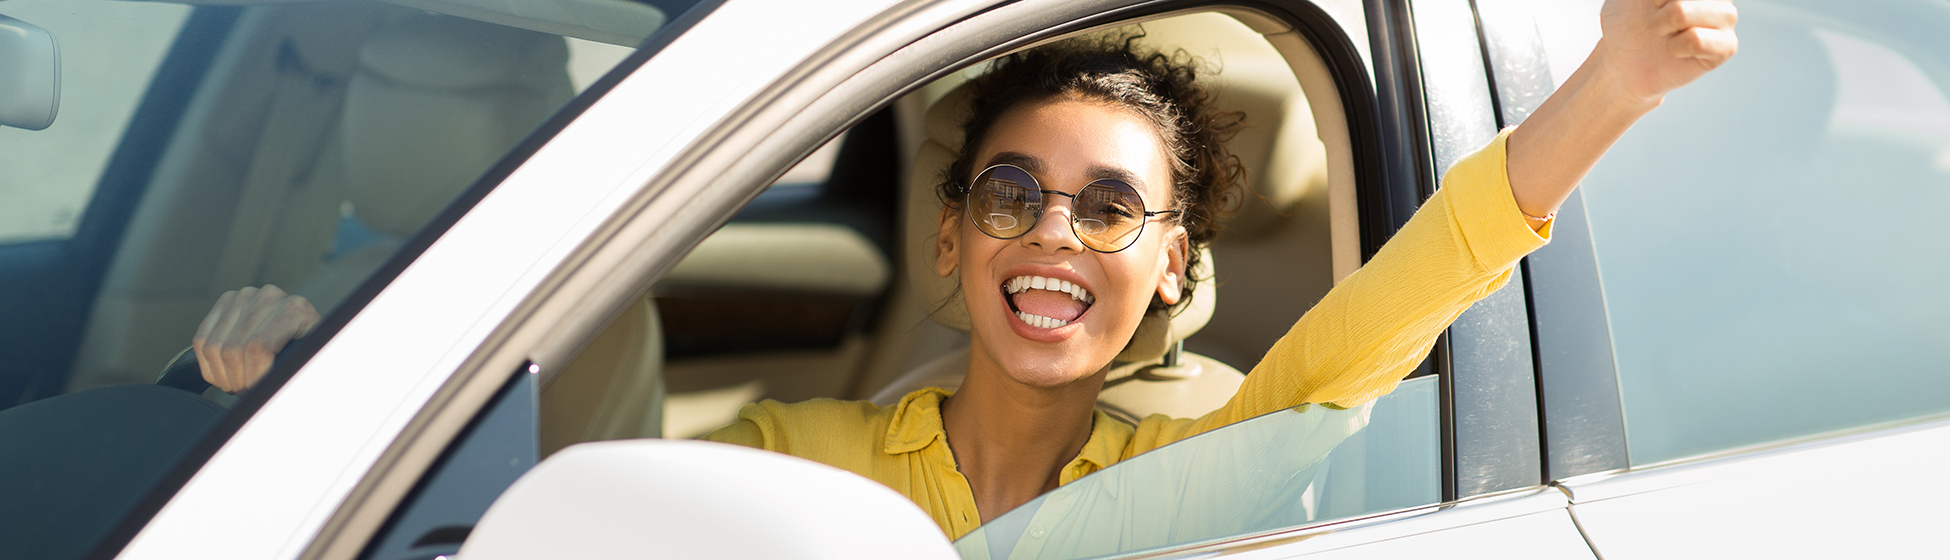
(244, 332)
(1655, 46)
(1650, 48)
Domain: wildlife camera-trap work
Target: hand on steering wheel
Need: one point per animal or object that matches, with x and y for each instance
(243, 333)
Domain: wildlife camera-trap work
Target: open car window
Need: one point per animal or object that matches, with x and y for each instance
(1305, 465)
(202, 149)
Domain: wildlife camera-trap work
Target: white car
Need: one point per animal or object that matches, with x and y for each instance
(533, 225)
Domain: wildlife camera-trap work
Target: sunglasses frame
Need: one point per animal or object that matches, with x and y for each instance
(968, 205)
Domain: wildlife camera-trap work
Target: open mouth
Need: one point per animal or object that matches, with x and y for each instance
(1046, 303)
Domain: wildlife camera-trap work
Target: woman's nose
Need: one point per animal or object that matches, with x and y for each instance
(1052, 231)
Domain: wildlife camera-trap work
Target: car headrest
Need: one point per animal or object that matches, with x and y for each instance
(435, 101)
(1155, 334)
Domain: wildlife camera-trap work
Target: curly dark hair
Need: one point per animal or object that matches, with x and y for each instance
(1160, 86)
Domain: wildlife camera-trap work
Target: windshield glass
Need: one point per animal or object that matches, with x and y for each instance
(1308, 464)
(201, 150)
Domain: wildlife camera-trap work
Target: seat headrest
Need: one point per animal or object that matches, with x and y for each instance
(435, 101)
(1155, 334)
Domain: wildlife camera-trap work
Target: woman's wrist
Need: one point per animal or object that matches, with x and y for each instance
(1554, 149)
(1604, 84)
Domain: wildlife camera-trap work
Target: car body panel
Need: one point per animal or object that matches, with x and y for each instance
(1807, 500)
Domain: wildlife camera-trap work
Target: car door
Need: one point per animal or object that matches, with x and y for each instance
(1778, 377)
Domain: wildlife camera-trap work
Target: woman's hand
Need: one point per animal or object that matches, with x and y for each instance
(1650, 48)
(1655, 46)
(244, 331)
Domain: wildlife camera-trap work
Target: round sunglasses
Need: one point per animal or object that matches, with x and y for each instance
(1107, 215)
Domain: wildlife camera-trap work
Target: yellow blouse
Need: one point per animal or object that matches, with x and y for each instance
(1352, 347)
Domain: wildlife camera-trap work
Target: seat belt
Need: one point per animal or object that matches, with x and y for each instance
(303, 106)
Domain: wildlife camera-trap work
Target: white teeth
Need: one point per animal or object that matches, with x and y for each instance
(1040, 321)
(1021, 284)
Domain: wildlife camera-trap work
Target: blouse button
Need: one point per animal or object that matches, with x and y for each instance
(1038, 532)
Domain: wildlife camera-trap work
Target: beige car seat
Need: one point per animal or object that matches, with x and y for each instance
(436, 103)
(1153, 375)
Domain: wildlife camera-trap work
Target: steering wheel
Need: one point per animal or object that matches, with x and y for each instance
(184, 373)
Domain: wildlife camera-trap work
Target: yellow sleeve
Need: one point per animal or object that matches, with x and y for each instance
(741, 432)
(746, 429)
(1374, 327)
(834, 432)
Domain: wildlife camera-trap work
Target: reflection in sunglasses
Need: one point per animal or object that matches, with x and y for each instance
(1001, 222)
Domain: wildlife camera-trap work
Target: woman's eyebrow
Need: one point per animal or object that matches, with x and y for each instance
(1035, 166)
(1118, 173)
(1027, 162)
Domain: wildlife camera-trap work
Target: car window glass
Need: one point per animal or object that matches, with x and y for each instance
(1770, 239)
(202, 149)
(1295, 467)
(108, 53)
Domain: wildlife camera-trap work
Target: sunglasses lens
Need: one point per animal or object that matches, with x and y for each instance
(1109, 215)
(1005, 202)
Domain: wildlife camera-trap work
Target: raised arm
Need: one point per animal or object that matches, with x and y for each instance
(1650, 47)
(1373, 328)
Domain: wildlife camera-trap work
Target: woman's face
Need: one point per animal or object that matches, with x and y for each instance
(1065, 144)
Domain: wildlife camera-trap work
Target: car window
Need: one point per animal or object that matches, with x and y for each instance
(1769, 241)
(202, 149)
(110, 53)
(1305, 465)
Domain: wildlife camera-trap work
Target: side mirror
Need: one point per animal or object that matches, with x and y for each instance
(30, 75)
(693, 499)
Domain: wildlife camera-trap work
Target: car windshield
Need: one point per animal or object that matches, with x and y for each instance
(155, 155)
(1309, 464)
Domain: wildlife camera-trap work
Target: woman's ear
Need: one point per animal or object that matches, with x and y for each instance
(1172, 280)
(946, 241)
